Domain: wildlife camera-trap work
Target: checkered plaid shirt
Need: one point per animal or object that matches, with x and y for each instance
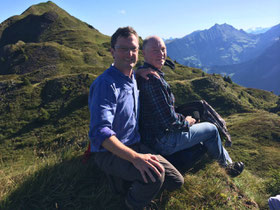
(157, 112)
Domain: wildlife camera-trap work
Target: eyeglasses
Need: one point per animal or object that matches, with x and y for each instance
(127, 49)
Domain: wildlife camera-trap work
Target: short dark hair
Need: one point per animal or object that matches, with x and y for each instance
(122, 32)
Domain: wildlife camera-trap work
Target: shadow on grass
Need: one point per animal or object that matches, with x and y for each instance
(70, 184)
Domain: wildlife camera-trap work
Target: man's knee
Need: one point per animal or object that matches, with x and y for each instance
(159, 179)
(173, 179)
(180, 181)
(210, 128)
(177, 182)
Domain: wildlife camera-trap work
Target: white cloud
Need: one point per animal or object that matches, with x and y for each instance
(123, 12)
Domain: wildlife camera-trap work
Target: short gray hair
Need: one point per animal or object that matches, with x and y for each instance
(148, 39)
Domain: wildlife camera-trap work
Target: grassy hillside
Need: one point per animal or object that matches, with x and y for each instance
(46, 180)
(44, 82)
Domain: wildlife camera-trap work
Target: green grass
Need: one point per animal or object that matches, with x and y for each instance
(256, 140)
(211, 188)
(58, 181)
(45, 178)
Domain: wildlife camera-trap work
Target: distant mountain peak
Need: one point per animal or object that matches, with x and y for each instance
(222, 44)
(223, 27)
(257, 30)
(36, 40)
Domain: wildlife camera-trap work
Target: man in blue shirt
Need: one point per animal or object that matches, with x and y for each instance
(161, 127)
(114, 137)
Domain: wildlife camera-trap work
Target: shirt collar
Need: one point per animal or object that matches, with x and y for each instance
(147, 65)
(121, 75)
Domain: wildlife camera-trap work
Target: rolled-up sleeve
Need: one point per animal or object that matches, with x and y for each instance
(102, 106)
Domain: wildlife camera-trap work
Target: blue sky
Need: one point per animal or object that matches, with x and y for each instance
(166, 18)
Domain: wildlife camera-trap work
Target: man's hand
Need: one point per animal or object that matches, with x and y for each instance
(144, 72)
(147, 162)
(190, 120)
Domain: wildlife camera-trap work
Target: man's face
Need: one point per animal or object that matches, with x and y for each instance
(125, 52)
(155, 53)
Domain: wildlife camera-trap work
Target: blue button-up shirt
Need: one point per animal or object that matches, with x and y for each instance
(113, 105)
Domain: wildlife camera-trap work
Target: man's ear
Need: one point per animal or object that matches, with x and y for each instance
(112, 52)
(144, 53)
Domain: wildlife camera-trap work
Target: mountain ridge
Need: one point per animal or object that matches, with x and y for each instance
(58, 36)
(263, 72)
(220, 45)
(217, 48)
(257, 30)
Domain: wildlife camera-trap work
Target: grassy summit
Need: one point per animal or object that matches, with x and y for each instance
(48, 59)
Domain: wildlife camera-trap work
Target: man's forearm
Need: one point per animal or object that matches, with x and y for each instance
(113, 145)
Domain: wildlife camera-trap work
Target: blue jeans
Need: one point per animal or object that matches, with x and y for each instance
(205, 132)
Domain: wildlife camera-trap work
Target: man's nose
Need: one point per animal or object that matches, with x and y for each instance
(160, 52)
(131, 52)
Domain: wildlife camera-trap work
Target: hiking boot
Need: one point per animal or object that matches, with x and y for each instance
(151, 206)
(235, 169)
